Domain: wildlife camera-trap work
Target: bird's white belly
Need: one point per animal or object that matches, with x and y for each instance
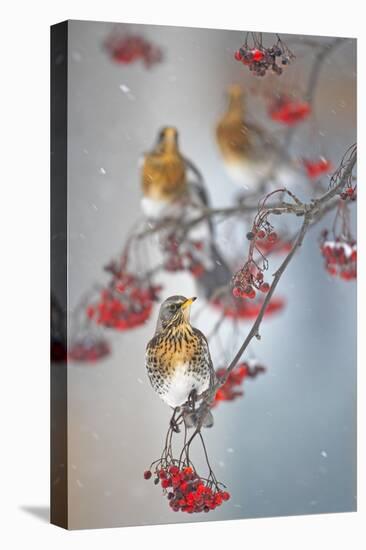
(181, 386)
(156, 208)
(247, 173)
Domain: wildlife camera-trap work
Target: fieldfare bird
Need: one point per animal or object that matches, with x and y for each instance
(178, 360)
(167, 178)
(173, 187)
(247, 151)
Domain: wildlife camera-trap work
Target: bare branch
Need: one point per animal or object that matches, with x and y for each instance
(323, 53)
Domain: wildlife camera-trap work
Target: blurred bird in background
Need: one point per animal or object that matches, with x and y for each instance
(178, 360)
(173, 187)
(165, 178)
(249, 153)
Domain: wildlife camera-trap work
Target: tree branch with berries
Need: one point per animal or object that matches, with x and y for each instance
(251, 276)
(185, 490)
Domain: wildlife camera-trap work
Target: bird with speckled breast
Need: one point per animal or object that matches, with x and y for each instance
(178, 360)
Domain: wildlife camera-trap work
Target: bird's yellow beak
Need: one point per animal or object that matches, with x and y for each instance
(188, 302)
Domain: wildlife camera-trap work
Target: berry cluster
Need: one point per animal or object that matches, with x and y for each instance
(247, 279)
(229, 391)
(288, 111)
(89, 349)
(260, 59)
(278, 246)
(250, 276)
(340, 258)
(239, 309)
(186, 491)
(127, 49)
(315, 169)
(349, 193)
(183, 256)
(126, 303)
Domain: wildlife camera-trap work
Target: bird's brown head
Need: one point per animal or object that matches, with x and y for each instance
(174, 311)
(235, 91)
(236, 97)
(168, 140)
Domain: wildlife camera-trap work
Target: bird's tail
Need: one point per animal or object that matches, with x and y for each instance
(191, 419)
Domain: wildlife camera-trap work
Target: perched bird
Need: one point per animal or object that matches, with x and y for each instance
(169, 180)
(247, 150)
(232, 132)
(173, 187)
(164, 176)
(178, 360)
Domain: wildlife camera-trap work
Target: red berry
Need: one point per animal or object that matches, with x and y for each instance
(237, 55)
(147, 474)
(175, 480)
(90, 311)
(225, 495)
(251, 294)
(264, 287)
(236, 292)
(197, 270)
(218, 499)
(261, 234)
(272, 237)
(184, 486)
(257, 55)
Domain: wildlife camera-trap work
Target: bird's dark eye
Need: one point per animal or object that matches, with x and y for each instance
(173, 308)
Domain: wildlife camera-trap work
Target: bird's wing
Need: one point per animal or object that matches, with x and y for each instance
(198, 186)
(191, 166)
(150, 357)
(268, 142)
(206, 351)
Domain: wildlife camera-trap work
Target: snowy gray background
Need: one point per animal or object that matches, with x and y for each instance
(289, 446)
